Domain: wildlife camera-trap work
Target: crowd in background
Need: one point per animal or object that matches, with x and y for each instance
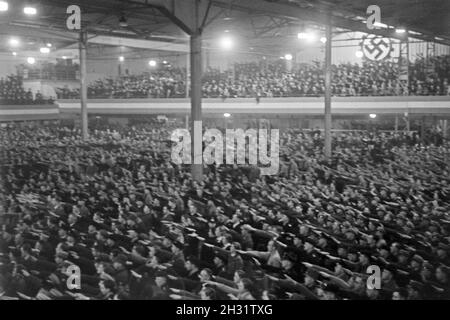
(431, 78)
(160, 84)
(255, 80)
(169, 83)
(139, 227)
(274, 80)
(13, 92)
(63, 69)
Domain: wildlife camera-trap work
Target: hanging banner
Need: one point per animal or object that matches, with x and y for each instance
(375, 47)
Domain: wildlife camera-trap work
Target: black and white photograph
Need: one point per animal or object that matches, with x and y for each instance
(240, 151)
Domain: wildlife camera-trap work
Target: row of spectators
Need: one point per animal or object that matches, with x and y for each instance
(160, 84)
(61, 70)
(139, 227)
(308, 80)
(431, 77)
(273, 80)
(13, 92)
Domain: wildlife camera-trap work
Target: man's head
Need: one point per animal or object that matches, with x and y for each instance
(72, 218)
(70, 240)
(286, 264)
(25, 250)
(60, 257)
(212, 223)
(384, 252)
(100, 267)
(338, 269)
(205, 275)
(271, 247)
(342, 252)
(387, 275)
(234, 247)
(308, 246)
(352, 256)
(8, 232)
(298, 242)
(244, 284)
(329, 292)
(160, 279)
(119, 262)
(413, 290)
(394, 249)
(102, 235)
(322, 243)
(227, 238)
(442, 253)
(107, 287)
(92, 229)
(364, 258)
(427, 271)
(191, 264)
(441, 274)
(402, 257)
(133, 234)
(219, 261)
(416, 264)
(208, 293)
(110, 242)
(400, 294)
(62, 233)
(304, 230)
(310, 277)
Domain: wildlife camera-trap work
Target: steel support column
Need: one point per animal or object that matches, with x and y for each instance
(83, 85)
(430, 54)
(422, 129)
(403, 66)
(407, 120)
(188, 74)
(191, 16)
(445, 128)
(327, 70)
(196, 103)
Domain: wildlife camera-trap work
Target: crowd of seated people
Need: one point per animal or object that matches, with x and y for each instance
(139, 227)
(368, 79)
(67, 93)
(61, 70)
(160, 84)
(13, 92)
(431, 78)
(273, 80)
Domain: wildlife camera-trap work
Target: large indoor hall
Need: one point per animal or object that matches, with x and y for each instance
(243, 151)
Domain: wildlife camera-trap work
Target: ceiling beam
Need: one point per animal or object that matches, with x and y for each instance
(94, 38)
(138, 43)
(306, 14)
